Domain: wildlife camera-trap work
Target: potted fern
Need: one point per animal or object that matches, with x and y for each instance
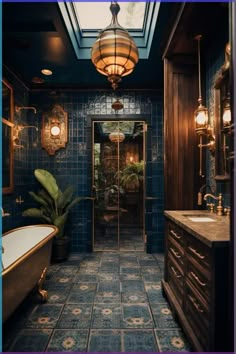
(54, 207)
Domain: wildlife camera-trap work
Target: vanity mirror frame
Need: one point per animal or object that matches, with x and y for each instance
(222, 137)
(7, 122)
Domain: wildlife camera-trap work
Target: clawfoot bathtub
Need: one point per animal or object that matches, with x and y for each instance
(26, 253)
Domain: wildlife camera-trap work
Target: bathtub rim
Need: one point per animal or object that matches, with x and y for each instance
(33, 249)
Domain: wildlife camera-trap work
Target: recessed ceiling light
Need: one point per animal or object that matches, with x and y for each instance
(37, 80)
(46, 72)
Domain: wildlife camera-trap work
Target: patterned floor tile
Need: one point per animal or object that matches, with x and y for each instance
(82, 293)
(106, 316)
(130, 276)
(154, 292)
(129, 270)
(134, 297)
(132, 285)
(137, 316)
(148, 262)
(67, 271)
(68, 341)
(107, 297)
(31, 340)
(104, 341)
(58, 295)
(139, 341)
(89, 270)
(109, 286)
(108, 276)
(163, 316)
(172, 341)
(44, 316)
(75, 316)
(85, 278)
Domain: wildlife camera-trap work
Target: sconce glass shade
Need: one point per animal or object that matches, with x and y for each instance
(55, 130)
(116, 137)
(201, 119)
(226, 116)
(114, 53)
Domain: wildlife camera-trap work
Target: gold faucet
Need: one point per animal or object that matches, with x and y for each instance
(219, 208)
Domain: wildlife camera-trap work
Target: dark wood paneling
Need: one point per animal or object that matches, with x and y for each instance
(181, 151)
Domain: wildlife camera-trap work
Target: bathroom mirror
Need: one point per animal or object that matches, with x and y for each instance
(222, 119)
(7, 146)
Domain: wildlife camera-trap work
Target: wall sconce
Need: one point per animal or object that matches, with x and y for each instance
(54, 131)
(202, 127)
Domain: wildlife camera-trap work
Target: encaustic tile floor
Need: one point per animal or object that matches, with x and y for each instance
(98, 302)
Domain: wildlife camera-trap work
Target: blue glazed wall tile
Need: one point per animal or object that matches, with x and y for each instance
(72, 165)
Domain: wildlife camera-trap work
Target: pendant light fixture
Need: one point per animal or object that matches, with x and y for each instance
(201, 116)
(114, 53)
(201, 113)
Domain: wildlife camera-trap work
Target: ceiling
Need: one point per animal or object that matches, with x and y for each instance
(34, 37)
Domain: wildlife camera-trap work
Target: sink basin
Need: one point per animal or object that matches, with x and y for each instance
(198, 217)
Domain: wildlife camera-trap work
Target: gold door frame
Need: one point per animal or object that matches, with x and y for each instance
(144, 179)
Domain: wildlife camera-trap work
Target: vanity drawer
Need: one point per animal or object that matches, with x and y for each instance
(176, 233)
(175, 279)
(197, 314)
(176, 251)
(198, 251)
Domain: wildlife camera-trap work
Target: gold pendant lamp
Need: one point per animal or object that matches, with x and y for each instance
(114, 53)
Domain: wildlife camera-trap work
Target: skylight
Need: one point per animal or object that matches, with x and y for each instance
(97, 15)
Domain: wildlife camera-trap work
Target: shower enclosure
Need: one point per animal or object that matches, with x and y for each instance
(118, 185)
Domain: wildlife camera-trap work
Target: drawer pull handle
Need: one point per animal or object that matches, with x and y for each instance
(197, 279)
(175, 273)
(196, 253)
(175, 234)
(176, 254)
(196, 305)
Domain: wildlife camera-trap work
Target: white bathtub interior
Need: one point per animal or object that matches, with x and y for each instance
(18, 242)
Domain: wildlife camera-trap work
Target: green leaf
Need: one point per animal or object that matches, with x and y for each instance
(60, 223)
(44, 194)
(36, 213)
(38, 199)
(75, 201)
(48, 182)
(65, 197)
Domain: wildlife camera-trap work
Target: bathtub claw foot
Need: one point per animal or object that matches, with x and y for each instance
(43, 293)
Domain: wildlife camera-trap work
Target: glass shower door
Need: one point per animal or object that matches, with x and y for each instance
(118, 175)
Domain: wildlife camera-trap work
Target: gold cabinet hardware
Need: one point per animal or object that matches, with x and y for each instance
(197, 279)
(176, 254)
(175, 234)
(196, 305)
(175, 273)
(196, 252)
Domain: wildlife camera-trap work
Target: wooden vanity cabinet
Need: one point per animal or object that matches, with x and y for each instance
(195, 285)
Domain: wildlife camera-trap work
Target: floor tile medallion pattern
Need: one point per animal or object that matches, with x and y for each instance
(98, 302)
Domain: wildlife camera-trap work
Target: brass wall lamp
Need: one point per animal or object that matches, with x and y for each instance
(54, 133)
(202, 127)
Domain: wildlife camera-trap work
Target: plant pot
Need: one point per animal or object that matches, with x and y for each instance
(60, 249)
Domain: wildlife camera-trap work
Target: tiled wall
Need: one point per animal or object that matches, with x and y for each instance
(72, 165)
(215, 57)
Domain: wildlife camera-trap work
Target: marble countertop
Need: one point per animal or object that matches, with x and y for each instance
(209, 233)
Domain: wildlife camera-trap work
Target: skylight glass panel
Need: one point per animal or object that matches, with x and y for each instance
(97, 15)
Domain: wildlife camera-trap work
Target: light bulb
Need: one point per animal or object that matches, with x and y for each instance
(201, 118)
(55, 130)
(227, 116)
